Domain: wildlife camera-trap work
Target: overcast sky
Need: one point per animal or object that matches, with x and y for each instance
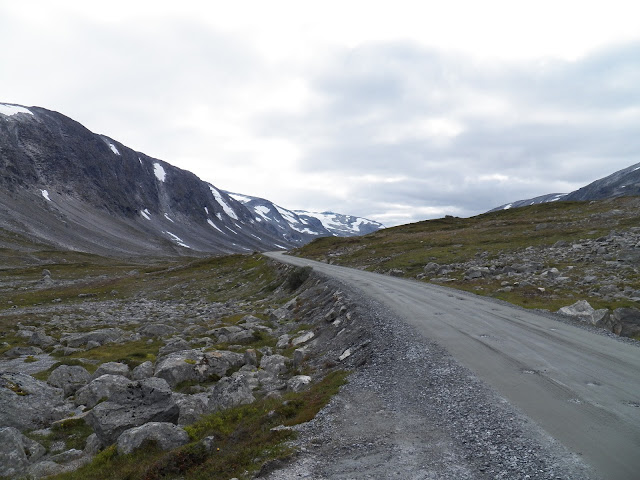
(397, 110)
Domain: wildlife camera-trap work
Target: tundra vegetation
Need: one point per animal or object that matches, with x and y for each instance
(543, 256)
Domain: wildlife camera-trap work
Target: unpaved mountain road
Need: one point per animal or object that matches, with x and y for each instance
(580, 387)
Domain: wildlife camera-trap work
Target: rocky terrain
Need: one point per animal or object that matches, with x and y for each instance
(152, 357)
(545, 256)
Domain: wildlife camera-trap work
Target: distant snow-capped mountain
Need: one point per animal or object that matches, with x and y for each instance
(300, 226)
(623, 183)
(67, 187)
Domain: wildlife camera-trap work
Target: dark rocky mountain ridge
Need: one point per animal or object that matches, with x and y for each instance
(623, 183)
(65, 186)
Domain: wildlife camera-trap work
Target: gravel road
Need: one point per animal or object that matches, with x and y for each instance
(460, 386)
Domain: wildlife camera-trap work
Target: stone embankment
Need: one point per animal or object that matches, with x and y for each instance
(212, 357)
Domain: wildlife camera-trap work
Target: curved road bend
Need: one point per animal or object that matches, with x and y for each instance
(582, 388)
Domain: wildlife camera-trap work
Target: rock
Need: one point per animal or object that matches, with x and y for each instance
(27, 403)
(93, 445)
(274, 364)
(69, 378)
(166, 436)
(305, 337)
(396, 272)
(283, 341)
(230, 392)
(45, 468)
(100, 389)
(67, 456)
(157, 330)
(112, 368)
(476, 272)
(250, 357)
(298, 357)
(431, 267)
(175, 344)
(629, 321)
(101, 336)
(16, 352)
(586, 313)
(17, 452)
(144, 370)
(188, 365)
(143, 401)
(192, 407)
(298, 383)
(41, 339)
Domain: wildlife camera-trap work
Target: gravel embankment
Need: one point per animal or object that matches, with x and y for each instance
(412, 412)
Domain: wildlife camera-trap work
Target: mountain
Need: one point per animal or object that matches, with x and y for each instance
(302, 226)
(623, 183)
(64, 186)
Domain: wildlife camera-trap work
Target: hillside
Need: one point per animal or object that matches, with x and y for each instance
(542, 256)
(67, 187)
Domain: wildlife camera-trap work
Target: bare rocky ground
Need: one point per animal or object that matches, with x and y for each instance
(411, 412)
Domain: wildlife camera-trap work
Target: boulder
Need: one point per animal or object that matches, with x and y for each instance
(27, 403)
(298, 383)
(157, 330)
(629, 321)
(230, 392)
(101, 388)
(195, 365)
(431, 267)
(16, 352)
(17, 452)
(192, 407)
(112, 368)
(41, 339)
(69, 378)
(143, 401)
(175, 344)
(166, 436)
(274, 364)
(101, 336)
(144, 370)
(305, 337)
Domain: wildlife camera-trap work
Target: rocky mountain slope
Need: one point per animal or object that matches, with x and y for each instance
(68, 187)
(623, 183)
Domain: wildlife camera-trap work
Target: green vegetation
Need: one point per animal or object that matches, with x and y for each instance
(453, 240)
(72, 431)
(244, 439)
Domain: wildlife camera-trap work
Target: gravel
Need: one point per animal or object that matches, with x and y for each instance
(412, 412)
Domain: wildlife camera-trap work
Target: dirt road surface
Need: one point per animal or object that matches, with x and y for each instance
(580, 387)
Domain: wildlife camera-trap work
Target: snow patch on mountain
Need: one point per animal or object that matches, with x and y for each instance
(225, 206)
(146, 214)
(177, 239)
(166, 215)
(10, 110)
(214, 225)
(159, 171)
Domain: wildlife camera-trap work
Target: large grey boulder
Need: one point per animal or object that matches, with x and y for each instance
(195, 365)
(230, 392)
(17, 452)
(69, 378)
(143, 401)
(274, 364)
(41, 339)
(166, 436)
(100, 389)
(174, 344)
(628, 320)
(112, 368)
(157, 330)
(100, 337)
(581, 310)
(192, 407)
(27, 403)
(144, 370)
(16, 352)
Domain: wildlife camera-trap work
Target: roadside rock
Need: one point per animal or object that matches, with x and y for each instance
(148, 400)
(629, 321)
(165, 435)
(230, 392)
(69, 378)
(27, 403)
(586, 313)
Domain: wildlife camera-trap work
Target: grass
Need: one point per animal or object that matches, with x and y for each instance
(245, 439)
(454, 240)
(72, 431)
